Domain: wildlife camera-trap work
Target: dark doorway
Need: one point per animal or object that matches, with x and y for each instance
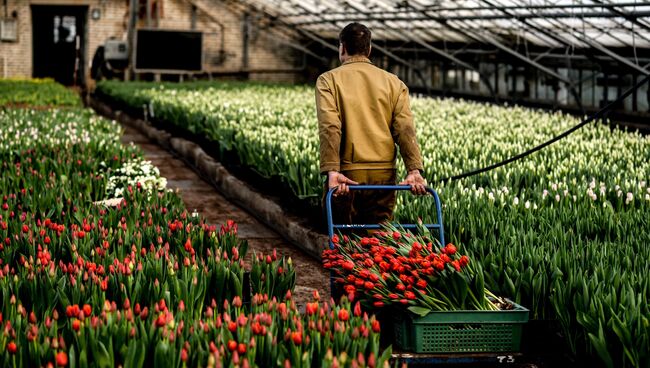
(59, 34)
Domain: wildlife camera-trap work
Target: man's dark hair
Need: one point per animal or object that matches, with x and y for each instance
(355, 37)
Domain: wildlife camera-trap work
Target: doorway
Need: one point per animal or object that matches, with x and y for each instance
(58, 42)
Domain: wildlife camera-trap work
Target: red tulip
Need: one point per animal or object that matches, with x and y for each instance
(409, 295)
(241, 348)
(456, 265)
(236, 302)
(464, 261)
(296, 337)
(76, 325)
(12, 348)
(312, 308)
(242, 320)
(450, 249)
(232, 345)
(375, 326)
(61, 359)
(344, 315)
(232, 326)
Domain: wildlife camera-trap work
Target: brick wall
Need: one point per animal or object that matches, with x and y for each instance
(17, 56)
(264, 52)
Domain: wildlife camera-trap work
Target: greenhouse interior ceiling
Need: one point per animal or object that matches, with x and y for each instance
(546, 23)
(566, 52)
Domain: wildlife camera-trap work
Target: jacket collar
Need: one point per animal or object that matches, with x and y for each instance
(357, 59)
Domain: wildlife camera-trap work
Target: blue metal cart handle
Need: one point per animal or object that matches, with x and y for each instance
(331, 225)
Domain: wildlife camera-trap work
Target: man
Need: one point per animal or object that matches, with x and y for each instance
(363, 112)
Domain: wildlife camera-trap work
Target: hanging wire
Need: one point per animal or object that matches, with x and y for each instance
(636, 59)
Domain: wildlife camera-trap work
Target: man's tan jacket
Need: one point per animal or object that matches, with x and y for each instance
(363, 111)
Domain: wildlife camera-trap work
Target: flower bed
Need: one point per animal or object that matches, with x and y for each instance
(36, 92)
(144, 283)
(563, 232)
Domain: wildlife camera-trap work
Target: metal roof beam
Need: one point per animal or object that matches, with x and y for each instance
(303, 32)
(385, 52)
(630, 17)
(612, 54)
(387, 17)
(487, 39)
(595, 45)
(514, 7)
(544, 6)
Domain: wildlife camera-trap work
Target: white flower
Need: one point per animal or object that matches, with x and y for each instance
(647, 197)
(544, 193)
(629, 198)
(491, 196)
(557, 198)
(516, 201)
(554, 186)
(527, 204)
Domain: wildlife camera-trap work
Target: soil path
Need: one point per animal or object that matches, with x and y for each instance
(198, 195)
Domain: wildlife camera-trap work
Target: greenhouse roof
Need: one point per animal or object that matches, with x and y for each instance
(552, 23)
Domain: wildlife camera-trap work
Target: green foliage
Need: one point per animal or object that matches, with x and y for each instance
(563, 232)
(36, 92)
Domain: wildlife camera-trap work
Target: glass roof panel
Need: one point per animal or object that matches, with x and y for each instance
(457, 20)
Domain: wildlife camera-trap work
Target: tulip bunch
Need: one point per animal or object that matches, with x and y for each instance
(396, 268)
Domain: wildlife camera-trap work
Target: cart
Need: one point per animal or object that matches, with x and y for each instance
(413, 359)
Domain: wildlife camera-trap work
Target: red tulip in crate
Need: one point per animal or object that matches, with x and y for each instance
(435, 296)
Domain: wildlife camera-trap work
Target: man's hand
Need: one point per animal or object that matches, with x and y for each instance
(416, 181)
(336, 179)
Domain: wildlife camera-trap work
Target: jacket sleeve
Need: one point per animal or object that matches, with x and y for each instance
(403, 131)
(329, 127)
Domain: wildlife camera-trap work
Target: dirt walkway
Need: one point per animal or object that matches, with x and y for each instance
(201, 196)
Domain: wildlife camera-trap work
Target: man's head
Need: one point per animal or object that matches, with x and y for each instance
(354, 40)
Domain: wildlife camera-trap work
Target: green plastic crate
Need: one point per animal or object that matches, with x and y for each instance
(461, 331)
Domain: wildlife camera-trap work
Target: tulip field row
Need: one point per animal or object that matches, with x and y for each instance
(564, 232)
(144, 283)
(36, 92)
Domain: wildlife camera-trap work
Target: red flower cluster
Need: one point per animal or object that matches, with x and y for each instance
(391, 267)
